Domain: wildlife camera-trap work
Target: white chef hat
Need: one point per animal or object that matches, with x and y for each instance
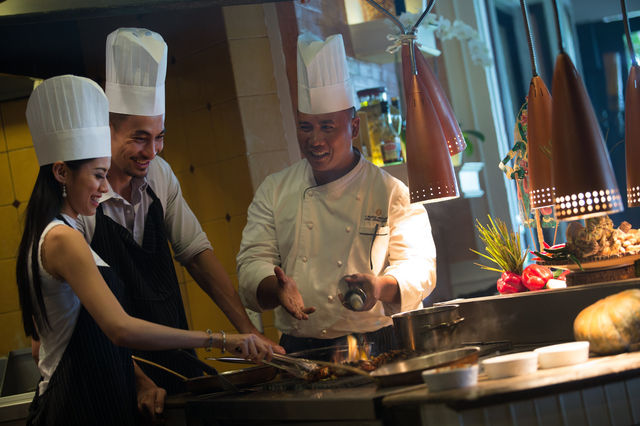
(68, 117)
(323, 77)
(136, 70)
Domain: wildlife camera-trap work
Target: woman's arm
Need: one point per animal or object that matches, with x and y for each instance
(66, 255)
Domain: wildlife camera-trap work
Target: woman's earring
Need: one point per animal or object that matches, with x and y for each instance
(64, 191)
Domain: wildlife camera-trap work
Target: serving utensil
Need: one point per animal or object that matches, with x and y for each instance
(298, 367)
(195, 382)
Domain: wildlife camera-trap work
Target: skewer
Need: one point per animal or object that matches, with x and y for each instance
(168, 370)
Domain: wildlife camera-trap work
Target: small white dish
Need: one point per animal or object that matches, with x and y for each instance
(511, 365)
(439, 379)
(563, 354)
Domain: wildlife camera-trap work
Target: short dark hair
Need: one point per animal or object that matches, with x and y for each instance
(116, 119)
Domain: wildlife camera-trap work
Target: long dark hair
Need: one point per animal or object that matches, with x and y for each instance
(44, 205)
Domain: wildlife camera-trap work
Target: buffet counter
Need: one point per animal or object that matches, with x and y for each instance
(602, 391)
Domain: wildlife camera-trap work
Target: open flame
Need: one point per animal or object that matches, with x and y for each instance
(356, 353)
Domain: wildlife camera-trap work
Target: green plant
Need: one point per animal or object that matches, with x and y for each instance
(468, 136)
(502, 247)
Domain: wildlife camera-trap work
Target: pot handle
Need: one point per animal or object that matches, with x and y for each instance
(443, 324)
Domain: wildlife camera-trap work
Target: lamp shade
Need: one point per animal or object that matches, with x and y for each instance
(632, 136)
(582, 173)
(429, 167)
(541, 189)
(442, 107)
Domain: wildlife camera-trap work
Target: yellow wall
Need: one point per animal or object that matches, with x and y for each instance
(18, 171)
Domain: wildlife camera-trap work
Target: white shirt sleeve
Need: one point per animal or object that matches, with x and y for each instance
(185, 233)
(412, 252)
(259, 248)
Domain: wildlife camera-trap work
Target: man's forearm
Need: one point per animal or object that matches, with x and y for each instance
(208, 272)
(268, 293)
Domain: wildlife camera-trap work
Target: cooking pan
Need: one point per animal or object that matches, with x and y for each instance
(408, 372)
(215, 381)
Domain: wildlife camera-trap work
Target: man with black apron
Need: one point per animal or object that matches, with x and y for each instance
(144, 206)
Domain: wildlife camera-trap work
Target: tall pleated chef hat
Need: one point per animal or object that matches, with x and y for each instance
(68, 117)
(323, 77)
(136, 70)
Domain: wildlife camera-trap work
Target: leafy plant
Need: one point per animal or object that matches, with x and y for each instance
(502, 247)
(467, 134)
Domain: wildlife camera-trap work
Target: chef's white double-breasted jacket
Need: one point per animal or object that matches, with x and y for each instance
(318, 234)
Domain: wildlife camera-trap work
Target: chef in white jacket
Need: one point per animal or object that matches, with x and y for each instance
(333, 214)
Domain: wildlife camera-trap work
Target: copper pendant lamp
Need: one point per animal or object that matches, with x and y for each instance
(429, 166)
(631, 122)
(431, 176)
(541, 189)
(448, 121)
(582, 173)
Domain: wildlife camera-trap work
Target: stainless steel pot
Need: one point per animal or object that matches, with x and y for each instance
(428, 329)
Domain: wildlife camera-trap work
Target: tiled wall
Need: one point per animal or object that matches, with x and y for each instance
(18, 171)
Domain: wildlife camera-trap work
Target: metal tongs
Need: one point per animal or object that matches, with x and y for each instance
(302, 367)
(298, 367)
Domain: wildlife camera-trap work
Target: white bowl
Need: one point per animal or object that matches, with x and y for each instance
(563, 354)
(511, 365)
(439, 379)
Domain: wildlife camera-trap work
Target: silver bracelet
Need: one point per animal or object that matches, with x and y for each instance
(210, 343)
(224, 340)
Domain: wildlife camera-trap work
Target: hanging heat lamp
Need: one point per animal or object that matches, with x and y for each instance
(631, 121)
(432, 132)
(582, 173)
(541, 189)
(450, 128)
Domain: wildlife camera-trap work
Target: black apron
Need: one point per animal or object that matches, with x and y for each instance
(151, 285)
(94, 382)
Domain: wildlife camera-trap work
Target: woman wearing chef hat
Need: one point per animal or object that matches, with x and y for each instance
(70, 298)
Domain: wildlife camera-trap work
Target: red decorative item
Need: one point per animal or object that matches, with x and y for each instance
(510, 283)
(535, 277)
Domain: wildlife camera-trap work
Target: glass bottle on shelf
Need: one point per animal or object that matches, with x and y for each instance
(370, 100)
(390, 142)
(399, 124)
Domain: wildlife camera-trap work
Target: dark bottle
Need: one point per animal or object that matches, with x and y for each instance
(352, 296)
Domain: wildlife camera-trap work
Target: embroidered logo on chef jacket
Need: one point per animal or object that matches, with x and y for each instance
(371, 222)
(375, 228)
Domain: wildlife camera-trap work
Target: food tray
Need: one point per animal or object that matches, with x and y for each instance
(594, 262)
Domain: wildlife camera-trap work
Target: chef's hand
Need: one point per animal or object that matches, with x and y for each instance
(249, 346)
(384, 288)
(151, 402)
(289, 296)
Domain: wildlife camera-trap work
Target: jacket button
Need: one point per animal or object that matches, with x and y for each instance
(304, 259)
(330, 298)
(324, 331)
(310, 225)
(348, 229)
(339, 262)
